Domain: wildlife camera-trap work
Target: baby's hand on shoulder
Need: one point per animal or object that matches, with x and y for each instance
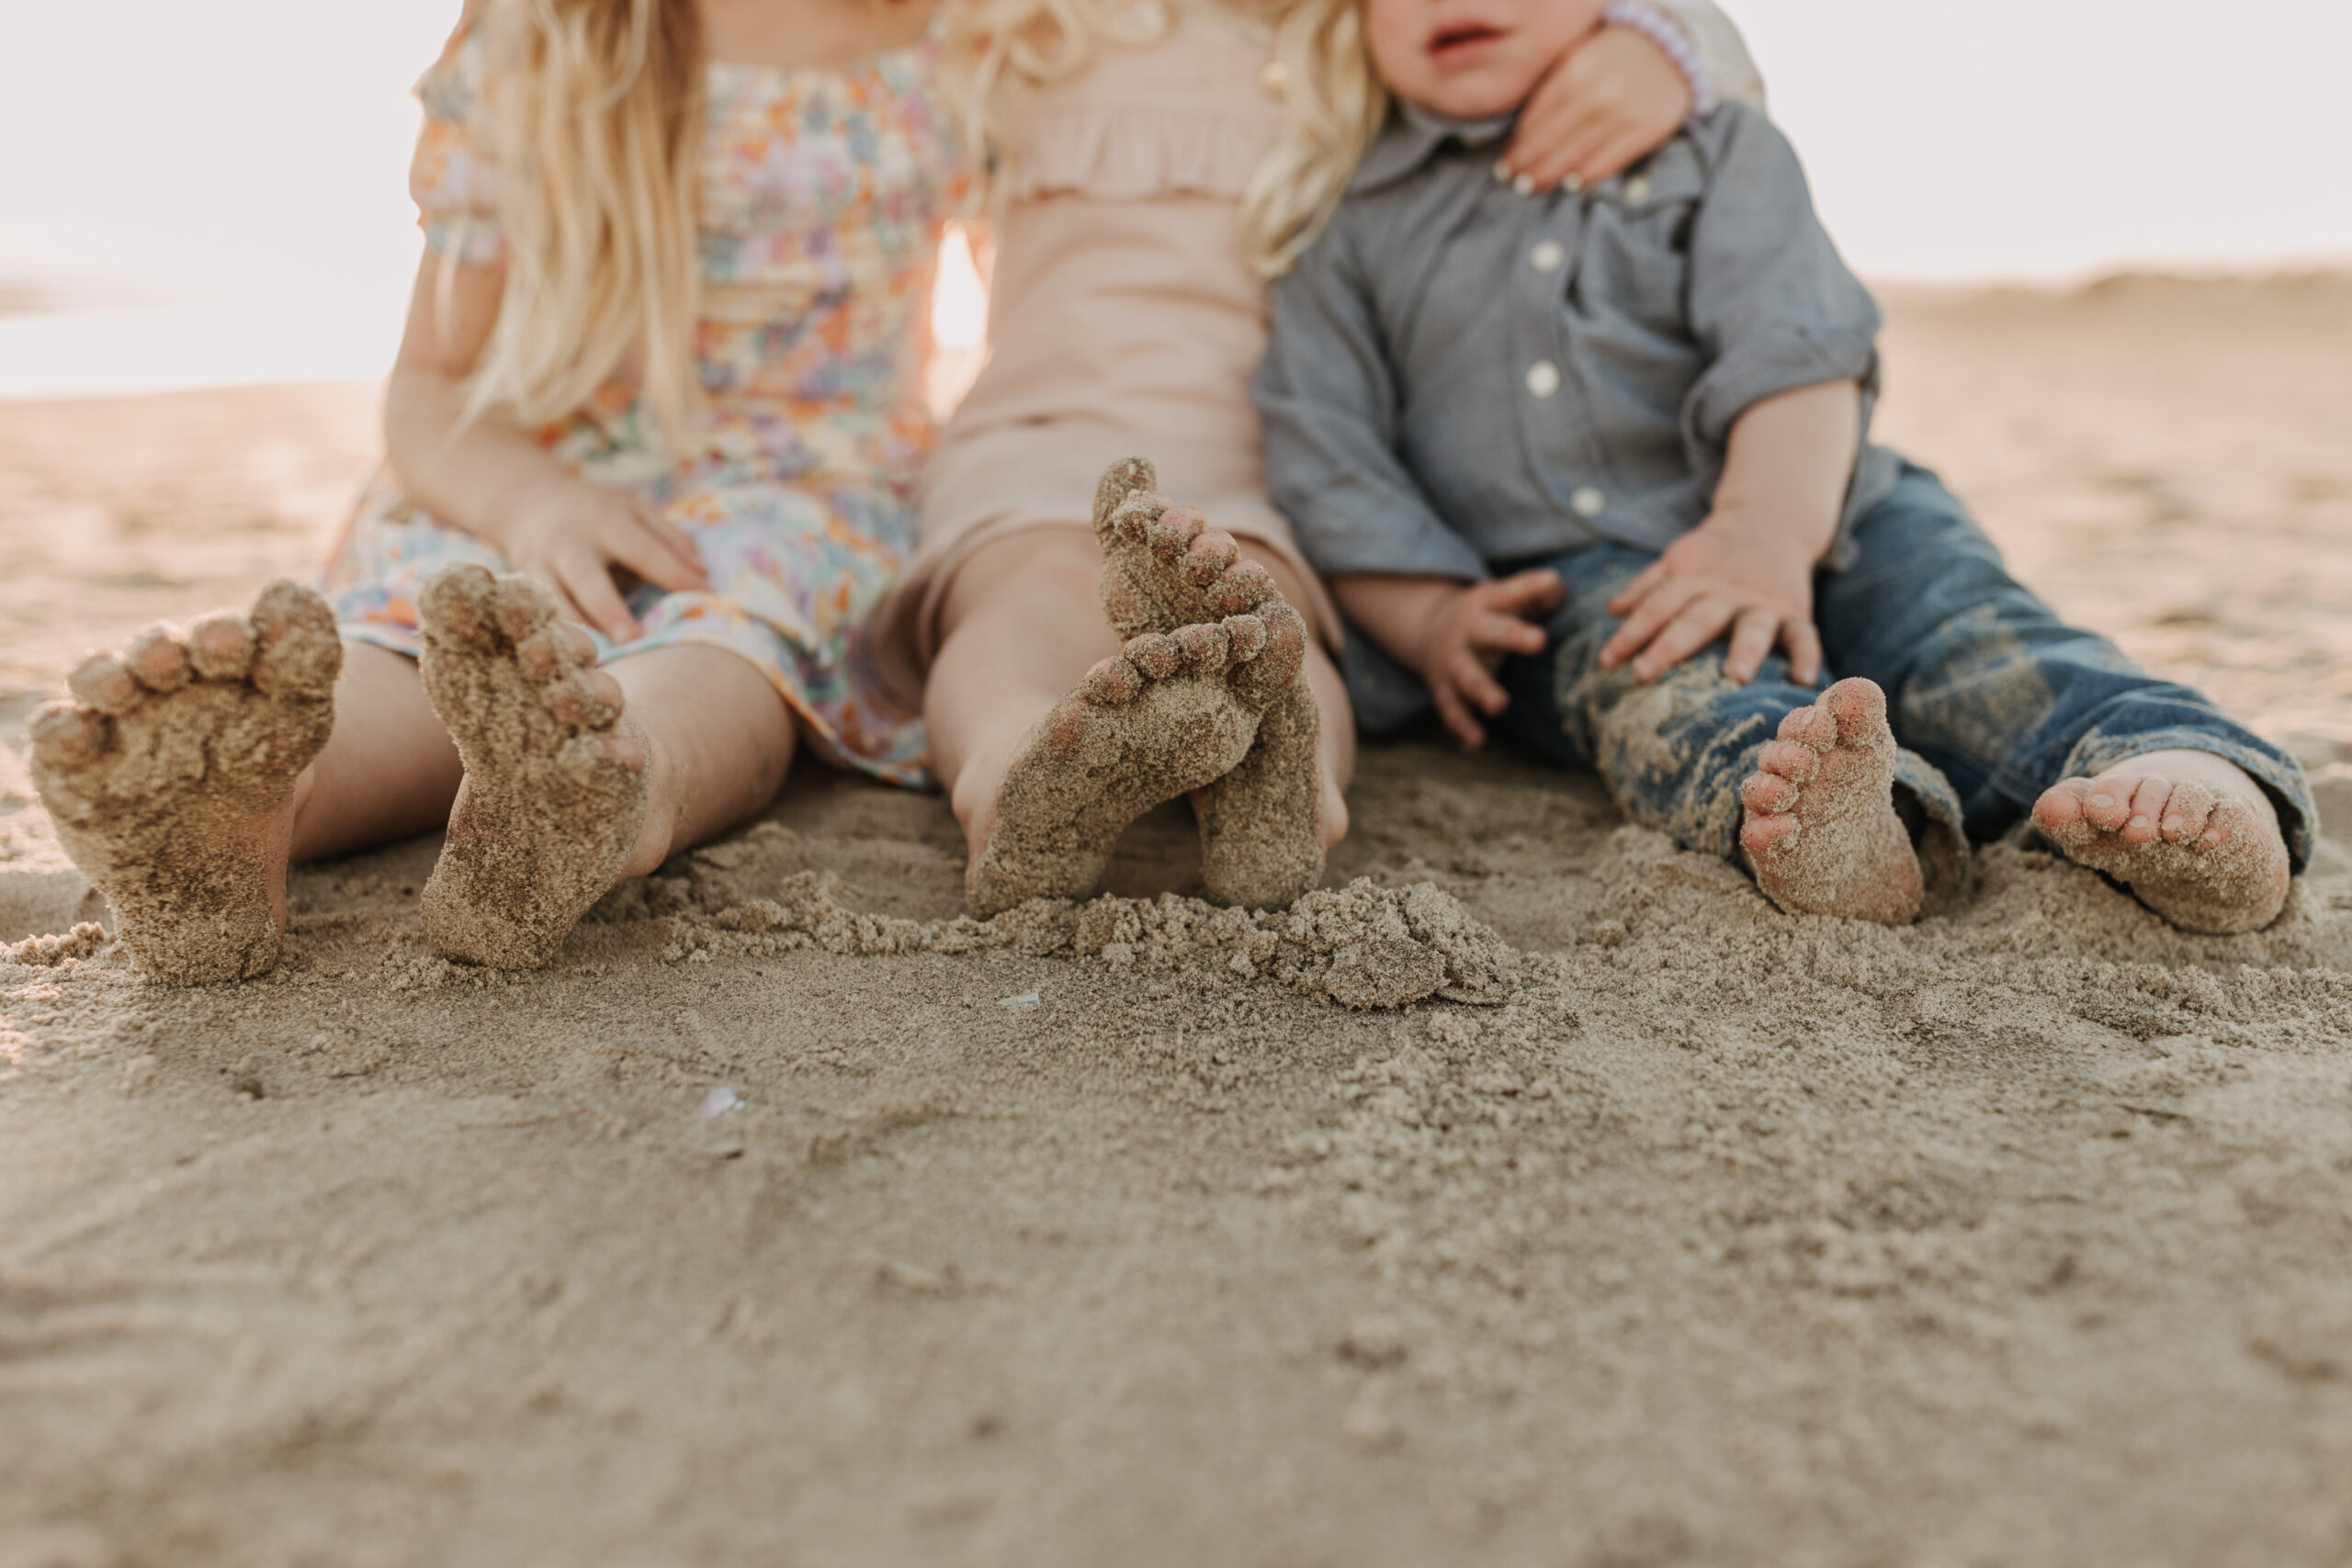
(1611, 101)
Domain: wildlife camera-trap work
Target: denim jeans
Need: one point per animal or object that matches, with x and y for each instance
(1991, 697)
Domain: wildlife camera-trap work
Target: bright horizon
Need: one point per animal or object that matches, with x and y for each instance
(219, 193)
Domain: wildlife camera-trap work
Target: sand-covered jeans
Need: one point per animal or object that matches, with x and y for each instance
(1991, 697)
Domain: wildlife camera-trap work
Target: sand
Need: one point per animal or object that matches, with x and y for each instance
(789, 1217)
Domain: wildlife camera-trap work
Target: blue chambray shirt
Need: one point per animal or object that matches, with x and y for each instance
(1458, 377)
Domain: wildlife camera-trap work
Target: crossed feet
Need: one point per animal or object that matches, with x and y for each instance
(172, 774)
(1206, 699)
(2190, 833)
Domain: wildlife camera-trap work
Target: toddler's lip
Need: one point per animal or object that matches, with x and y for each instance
(1456, 40)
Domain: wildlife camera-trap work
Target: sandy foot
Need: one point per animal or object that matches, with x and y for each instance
(554, 786)
(1171, 713)
(1163, 567)
(1820, 831)
(2188, 831)
(170, 777)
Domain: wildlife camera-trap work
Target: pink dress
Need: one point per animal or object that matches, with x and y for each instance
(1123, 319)
(824, 193)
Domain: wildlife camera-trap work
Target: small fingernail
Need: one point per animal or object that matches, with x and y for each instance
(1523, 185)
(1573, 186)
(2139, 821)
(1502, 171)
(2102, 800)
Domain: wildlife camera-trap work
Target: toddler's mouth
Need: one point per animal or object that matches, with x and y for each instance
(1457, 42)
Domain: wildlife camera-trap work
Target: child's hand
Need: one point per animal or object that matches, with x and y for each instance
(575, 536)
(1728, 572)
(1468, 634)
(1614, 98)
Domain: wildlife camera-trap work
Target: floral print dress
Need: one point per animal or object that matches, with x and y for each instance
(824, 193)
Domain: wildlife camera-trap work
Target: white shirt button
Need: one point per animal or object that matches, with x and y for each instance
(1588, 501)
(1542, 378)
(1637, 191)
(1547, 256)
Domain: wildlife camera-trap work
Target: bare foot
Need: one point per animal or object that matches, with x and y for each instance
(2188, 831)
(555, 785)
(1262, 824)
(1167, 716)
(1820, 831)
(171, 774)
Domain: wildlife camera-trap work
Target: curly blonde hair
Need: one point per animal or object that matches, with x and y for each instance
(1335, 107)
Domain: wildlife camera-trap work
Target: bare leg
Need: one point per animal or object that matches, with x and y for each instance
(1021, 625)
(568, 787)
(2190, 832)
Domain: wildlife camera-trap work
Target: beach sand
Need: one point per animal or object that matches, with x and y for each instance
(784, 1220)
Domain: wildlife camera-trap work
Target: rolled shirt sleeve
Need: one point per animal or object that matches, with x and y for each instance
(1328, 403)
(1771, 304)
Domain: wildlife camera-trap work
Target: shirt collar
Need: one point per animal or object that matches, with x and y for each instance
(1412, 137)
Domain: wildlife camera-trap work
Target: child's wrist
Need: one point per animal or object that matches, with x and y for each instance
(1646, 18)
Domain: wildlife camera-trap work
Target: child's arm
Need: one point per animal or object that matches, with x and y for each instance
(1328, 404)
(1619, 95)
(1749, 565)
(495, 481)
(1790, 340)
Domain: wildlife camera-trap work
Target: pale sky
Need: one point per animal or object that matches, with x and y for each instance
(242, 161)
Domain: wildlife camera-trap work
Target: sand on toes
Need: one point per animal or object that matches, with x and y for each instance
(2189, 833)
(1168, 714)
(170, 776)
(1820, 830)
(1164, 567)
(555, 784)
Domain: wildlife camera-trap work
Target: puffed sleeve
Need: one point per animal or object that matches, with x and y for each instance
(1327, 401)
(451, 178)
(1721, 49)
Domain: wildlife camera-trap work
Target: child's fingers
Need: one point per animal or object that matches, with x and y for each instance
(1616, 148)
(1700, 622)
(1495, 632)
(1457, 717)
(1649, 617)
(1538, 591)
(1550, 151)
(1476, 683)
(644, 555)
(1752, 635)
(671, 539)
(587, 586)
(1803, 641)
(1634, 593)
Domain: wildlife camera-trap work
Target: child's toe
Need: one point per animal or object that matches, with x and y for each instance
(158, 660)
(102, 682)
(65, 733)
(1790, 759)
(220, 645)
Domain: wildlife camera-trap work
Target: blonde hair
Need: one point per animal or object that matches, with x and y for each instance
(1335, 106)
(592, 109)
